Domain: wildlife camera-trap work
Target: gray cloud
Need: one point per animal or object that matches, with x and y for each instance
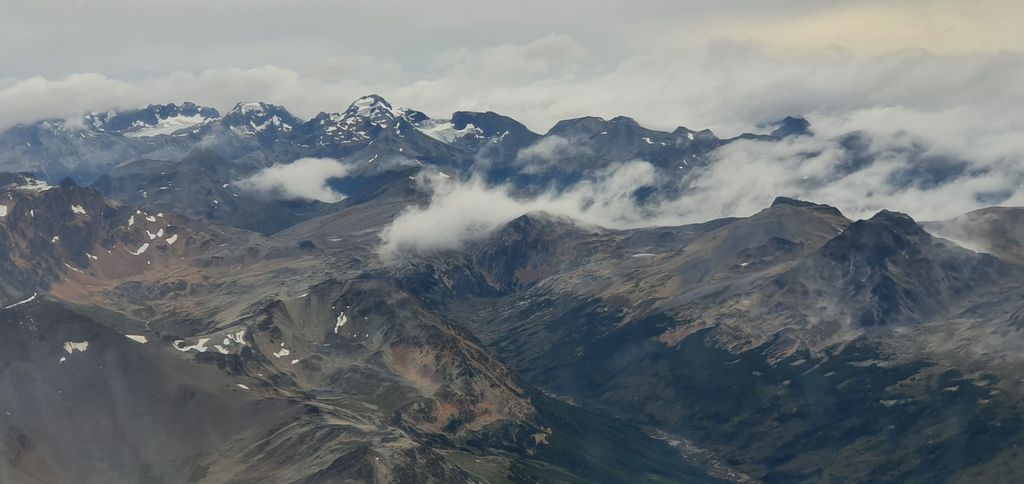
(118, 37)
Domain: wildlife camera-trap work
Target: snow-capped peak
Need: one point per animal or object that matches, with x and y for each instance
(364, 120)
(255, 117)
(251, 108)
(371, 106)
(149, 120)
(161, 119)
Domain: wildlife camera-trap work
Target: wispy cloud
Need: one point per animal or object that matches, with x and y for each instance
(547, 152)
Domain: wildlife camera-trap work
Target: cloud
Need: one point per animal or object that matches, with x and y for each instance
(929, 91)
(547, 56)
(944, 26)
(547, 152)
(28, 100)
(305, 178)
(727, 84)
(463, 211)
(116, 36)
(933, 166)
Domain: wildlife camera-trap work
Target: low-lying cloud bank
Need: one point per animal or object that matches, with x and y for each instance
(461, 211)
(932, 166)
(303, 179)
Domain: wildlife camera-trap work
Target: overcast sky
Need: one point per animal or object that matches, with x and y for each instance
(723, 65)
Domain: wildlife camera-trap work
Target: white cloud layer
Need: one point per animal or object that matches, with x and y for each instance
(980, 160)
(927, 81)
(463, 211)
(305, 178)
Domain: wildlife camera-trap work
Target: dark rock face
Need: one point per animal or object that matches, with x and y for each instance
(266, 396)
(901, 273)
(46, 227)
(525, 249)
(878, 241)
(147, 414)
(771, 285)
(493, 124)
(790, 126)
(203, 186)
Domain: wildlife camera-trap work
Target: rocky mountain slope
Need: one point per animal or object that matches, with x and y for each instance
(190, 157)
(272, 378)
(162, 323)
(796, 345)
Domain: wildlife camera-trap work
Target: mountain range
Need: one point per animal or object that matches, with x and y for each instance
(165, 321)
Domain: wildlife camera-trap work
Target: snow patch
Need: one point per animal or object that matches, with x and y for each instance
(445, 132)
(342, 319)
(71, 346)
(77, 210)
(172, 239)
(3, 210)
(283, 352)
(167, 126)
(19, 303)
(142, 250)
(33, 185)
(138, 338)
(200, 346)
(238, 337)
